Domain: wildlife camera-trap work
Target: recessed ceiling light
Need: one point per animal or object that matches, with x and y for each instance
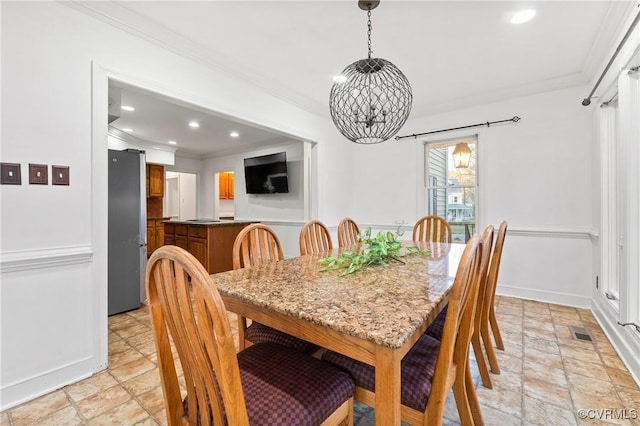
(127, 108)
(194, 124)
(234, 134)
(523, 16)
(339, 78)
(126, 129)
(172, 143)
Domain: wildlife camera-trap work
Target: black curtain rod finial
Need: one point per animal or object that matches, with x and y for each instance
(586, 102)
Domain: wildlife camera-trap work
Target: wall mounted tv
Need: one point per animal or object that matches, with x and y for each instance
(266, 174)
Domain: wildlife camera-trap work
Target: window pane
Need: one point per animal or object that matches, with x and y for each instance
(451, 191)
(457, 206)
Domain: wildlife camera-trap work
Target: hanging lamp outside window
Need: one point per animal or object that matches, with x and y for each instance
(461, 155)
(371, 99)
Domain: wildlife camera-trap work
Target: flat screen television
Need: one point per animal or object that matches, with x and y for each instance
(266, 174)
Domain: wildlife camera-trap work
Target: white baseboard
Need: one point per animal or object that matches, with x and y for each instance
(555, 297)
(28, 389)
(624, 339)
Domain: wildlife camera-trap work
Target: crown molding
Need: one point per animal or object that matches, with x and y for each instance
(535, 88)
(119, 16)
(609, 36)
(141, 143)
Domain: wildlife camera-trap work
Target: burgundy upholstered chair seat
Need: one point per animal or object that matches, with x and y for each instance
(260, 333)
(436, 328)
(418, 368)
(283, 386)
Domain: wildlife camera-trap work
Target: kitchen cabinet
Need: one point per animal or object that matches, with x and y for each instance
(226, 185)
(169, 234)
(155, 180)
(211, 244)
(155, 234)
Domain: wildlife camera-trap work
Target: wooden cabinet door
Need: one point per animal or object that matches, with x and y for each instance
(151, 238)
(230, 187)
(181, 241)
(222, 187)
(155, 174)
(198, 248)
(226, 189)
(159, 234)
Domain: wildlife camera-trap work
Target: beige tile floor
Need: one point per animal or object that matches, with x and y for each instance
(546, 378)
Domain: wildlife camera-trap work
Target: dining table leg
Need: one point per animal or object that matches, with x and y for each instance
(388, 374)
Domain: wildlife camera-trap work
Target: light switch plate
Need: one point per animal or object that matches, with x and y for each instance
(38, 174)
(59, 175)
(10, 173)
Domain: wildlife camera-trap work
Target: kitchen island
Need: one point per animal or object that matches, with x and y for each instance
(208, 240)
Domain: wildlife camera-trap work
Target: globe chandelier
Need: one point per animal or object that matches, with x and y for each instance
(371, 99)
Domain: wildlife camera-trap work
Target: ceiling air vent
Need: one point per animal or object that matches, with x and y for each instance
(580, 333)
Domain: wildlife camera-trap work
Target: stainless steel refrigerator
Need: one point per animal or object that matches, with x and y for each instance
(127, 240)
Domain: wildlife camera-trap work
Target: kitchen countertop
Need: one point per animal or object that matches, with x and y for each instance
(210, 222)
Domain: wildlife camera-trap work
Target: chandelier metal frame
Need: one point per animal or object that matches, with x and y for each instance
(371, 99)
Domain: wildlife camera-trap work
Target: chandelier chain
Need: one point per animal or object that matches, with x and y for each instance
(369, 31)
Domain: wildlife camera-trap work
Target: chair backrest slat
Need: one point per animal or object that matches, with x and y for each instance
(255, 245)
(348, 233)
(494, 268)
(432, 228)
(314, 238)
(483, 302)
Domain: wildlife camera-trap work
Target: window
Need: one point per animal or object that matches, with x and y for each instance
(450, 191)
(620, 195)
(611, 233)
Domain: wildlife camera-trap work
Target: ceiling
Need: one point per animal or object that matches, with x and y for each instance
(455, 54)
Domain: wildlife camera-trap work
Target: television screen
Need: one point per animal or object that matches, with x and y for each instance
(266, 174)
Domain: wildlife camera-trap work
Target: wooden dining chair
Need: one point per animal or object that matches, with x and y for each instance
(487, 240)
(433, 367)
(486, 302)
(432, 228)
(314, 238)
(255, 245)
(348, 233)
(492, 284)
(265, 384)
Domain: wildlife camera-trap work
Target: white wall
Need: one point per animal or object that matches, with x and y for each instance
(285, 213)
(56, 63)
(536, 174)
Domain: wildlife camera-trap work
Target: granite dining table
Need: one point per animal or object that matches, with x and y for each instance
(375, 314)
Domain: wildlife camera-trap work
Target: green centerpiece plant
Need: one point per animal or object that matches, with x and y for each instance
(379, 250)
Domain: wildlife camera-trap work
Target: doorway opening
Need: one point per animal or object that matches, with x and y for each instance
(226, 194)
(180, 196)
